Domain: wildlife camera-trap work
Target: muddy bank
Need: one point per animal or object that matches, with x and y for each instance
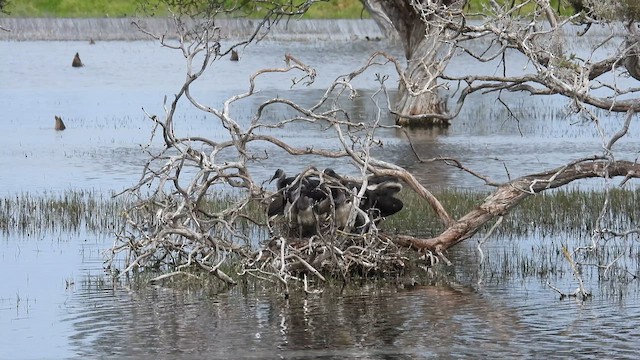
(26, 29)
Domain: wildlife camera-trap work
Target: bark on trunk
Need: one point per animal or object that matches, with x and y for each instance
(418, 101)
(632, 59)
(427, 107)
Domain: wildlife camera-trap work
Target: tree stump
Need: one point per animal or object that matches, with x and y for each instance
(59, 124)
(76, 61)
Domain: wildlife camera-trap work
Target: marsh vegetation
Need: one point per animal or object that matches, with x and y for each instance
(541, 227)
(54, 236)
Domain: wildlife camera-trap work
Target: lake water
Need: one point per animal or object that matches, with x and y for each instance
(55, 301)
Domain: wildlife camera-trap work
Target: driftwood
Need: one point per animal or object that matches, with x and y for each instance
(509, 195)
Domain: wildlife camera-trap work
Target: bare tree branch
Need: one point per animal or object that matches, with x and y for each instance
(512, 193)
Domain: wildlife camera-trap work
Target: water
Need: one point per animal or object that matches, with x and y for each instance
(55, 304)
(55, 301)
(124, 29)
(102, 105)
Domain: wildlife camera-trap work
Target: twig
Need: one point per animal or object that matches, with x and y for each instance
(171, 274)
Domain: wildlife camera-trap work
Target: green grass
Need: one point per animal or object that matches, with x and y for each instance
(330, 9)
(120, 8)
(479, 6)
(565, 210)
(570, 211)
(71, 8)
(337, 9)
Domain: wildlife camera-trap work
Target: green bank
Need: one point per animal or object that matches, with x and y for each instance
(345, 9)
(331, 9)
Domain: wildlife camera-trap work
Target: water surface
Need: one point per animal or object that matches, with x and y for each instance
(56, 302)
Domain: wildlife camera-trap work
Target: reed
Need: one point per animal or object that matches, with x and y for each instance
(71, 211)
(528, 244)
(571, 211)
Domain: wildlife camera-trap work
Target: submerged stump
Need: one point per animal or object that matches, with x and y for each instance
(59, 124)
(76, 61)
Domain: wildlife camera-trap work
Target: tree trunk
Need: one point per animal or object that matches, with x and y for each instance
(418, 102)
(632, 58)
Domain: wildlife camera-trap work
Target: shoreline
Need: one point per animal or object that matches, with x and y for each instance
(123, 29)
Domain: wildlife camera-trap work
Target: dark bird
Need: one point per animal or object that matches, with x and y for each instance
(311, 202)
(379, 196)
(304, 215)
(307, 185)
(277, 204)
(378, 199)
(283, 180)
(289, 190)
(279, 199)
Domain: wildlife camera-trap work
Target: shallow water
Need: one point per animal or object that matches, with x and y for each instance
(102, 105)
(55, 301)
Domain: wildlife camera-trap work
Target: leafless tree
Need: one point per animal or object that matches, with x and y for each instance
(433, 32)
(174, 225)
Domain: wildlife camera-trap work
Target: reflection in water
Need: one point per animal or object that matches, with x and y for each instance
(427, 146)
(494, 310)
(369, 322)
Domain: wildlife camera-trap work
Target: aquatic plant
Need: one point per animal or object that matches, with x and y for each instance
(71, 211)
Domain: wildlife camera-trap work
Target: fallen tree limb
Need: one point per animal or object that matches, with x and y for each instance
(512, 193)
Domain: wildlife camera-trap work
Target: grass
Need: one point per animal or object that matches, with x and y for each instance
(571, 211)
(71, 211)
(542, 225)
(330, 9)
(71, 8)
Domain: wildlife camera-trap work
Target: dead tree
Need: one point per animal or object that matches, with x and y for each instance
(178, 223)
(432, 32)
(425, 30)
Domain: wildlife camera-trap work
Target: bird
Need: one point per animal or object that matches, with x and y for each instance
(382, 205)
(277, 204)
(280, 198)
(283, 180)
(378, 198)
(344, 208)
(304, 216)
(313, 203)
(289, 189)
